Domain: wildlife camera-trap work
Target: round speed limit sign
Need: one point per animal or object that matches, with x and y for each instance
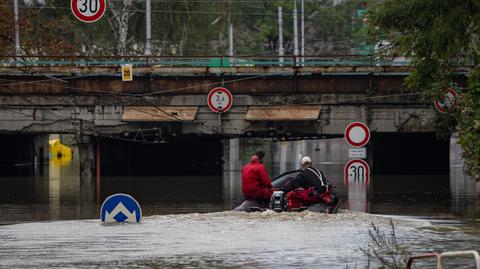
(88, 10)
(220, 99)
(356, 170)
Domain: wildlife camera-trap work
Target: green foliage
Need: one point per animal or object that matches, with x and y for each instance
(385, 249)
(192, 28)
(439, 36)
(38, 34)
(469, 123)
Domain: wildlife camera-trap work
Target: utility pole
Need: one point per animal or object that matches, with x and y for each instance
(280, 35)
(17, 29)
(295, 30)
(303, 33)
(230, 40)
(230, 32)
(148, 34)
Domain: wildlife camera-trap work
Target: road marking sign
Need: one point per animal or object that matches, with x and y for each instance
(356, 171)
(449, 102)
(357, 153)
(88, 10)
(220, 99)
(120, 207)
(357, 134)
(127, 72)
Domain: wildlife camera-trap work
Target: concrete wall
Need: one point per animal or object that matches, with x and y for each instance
(91, 115)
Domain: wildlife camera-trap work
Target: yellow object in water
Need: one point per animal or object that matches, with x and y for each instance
(60, 151)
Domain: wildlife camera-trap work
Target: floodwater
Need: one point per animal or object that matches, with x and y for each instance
(51, 221)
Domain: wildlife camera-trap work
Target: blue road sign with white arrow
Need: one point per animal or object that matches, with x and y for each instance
(120, 207)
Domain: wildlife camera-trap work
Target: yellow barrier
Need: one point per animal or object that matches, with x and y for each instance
(60, 154)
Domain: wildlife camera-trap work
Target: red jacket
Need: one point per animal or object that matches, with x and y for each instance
(256, 183)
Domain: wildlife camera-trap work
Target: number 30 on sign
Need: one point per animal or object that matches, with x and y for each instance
(357, 170)
(88, 10)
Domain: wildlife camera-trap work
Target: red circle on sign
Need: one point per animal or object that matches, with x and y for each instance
(211, 96)
(92, 18)
(363, 163)
(348, 134)
(442, 108)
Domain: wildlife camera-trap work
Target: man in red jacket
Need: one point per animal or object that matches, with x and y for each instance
(256, 183)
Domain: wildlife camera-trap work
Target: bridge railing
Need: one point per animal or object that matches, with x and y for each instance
(200, 61)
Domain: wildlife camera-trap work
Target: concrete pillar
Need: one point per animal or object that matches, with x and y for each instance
(40, 154)
(86, 152)
(234, 154)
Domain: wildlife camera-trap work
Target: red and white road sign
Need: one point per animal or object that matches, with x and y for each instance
(220, 99)
(357, 134)
(88, 10)
(356, 171)
(448, 103)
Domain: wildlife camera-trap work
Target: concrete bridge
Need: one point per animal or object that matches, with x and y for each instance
(300, 101)
(167, 100)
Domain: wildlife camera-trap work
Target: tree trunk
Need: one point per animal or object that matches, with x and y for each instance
(121, 14)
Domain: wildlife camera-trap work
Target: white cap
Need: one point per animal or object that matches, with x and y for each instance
(305, 160)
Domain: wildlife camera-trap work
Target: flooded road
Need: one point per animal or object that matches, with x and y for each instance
(52, 221)
(223, 239)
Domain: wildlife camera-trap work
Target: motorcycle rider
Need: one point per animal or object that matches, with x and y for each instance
(256, 183)
(308, 187)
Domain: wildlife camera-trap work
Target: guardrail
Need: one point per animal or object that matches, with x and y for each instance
(442, 256)
(420, 257)
(201, 61)
(458, 254)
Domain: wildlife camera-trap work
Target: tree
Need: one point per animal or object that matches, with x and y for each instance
(121, 13)
(439, 36)
(38, 34)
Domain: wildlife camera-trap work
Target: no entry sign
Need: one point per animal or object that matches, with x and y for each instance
(220, 99)
(356, 171)
(357, 134)
(88, 10)
(448, 103)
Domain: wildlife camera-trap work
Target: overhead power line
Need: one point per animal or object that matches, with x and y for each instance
(271, 13)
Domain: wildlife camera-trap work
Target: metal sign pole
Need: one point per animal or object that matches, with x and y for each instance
(148, 16)
(280, 35)
(295, 30)
(17, 30)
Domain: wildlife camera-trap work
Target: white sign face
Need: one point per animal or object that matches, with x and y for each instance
(357, 153)
(220, 100)
(88, 10)
(357, 134)
(357, 171)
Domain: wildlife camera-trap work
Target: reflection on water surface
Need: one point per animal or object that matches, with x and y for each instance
(437, 221)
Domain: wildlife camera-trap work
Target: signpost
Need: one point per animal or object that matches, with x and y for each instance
(357, 153)
(220, 100)
(127, 72)
(88, 10)
(357, 134)
(357, 170)
(448, 103)
(120, 208)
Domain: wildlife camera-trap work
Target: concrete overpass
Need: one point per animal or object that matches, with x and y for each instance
(166, 101)
(95, 101)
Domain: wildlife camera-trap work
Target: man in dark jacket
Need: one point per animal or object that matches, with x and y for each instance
(308, 187)
(256, 183)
